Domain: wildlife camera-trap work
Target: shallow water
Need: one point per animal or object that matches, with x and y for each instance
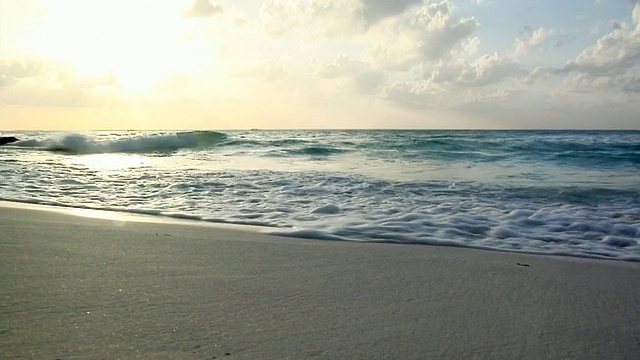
(555, 192)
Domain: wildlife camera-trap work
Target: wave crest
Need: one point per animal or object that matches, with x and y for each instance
(83, 144)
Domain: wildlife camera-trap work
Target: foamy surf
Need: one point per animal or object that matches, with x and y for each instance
(484, 189)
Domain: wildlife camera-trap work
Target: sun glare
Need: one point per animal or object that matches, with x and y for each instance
(110, 162)
(137, 43)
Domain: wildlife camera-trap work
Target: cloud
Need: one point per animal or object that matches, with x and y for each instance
(491, 78)
(501, 95)
(487, 70)
(14, 70)
(41, 83)
(265, 70)
(631, 85)
(454, 86)
(240, 22)
(534, 39)
(585, 83)
(376, 10)
(357, 73)
(204, 8)
(35, 72)
(612, 63)
(540, 74)
(614, 53)
(430, 34)
(397, 34)
(330, 18)
(417, 95)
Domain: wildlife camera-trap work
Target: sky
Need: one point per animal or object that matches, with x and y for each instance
(338, 64)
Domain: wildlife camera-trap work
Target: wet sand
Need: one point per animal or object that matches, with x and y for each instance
(85, 287)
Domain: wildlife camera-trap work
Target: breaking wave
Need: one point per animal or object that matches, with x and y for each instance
(83, 144)
(572, 193)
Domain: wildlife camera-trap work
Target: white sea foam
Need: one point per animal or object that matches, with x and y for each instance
(348, 196)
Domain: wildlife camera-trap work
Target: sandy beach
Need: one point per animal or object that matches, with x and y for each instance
(83, 287)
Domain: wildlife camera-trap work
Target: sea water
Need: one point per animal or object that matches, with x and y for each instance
(573, 193)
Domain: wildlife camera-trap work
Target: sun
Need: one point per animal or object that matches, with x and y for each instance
(137, 43)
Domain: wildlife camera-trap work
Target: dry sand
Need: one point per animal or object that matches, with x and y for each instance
(86, 288)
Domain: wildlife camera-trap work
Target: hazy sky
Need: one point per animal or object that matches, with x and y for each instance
(215, 64)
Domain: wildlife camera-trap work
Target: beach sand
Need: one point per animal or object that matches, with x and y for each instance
(80, 287)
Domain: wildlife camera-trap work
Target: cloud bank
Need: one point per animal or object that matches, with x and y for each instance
(358, 63)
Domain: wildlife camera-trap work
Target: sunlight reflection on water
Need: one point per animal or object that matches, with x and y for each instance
(109, 161)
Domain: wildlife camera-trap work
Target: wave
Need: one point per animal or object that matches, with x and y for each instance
(583, 149)
(601, 150)
(83, 144)
(316, 151)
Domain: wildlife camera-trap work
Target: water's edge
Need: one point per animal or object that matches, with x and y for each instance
(133, 216)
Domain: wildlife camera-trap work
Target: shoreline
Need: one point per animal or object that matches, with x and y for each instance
(133, 216)
(121, 215)
(82, 287)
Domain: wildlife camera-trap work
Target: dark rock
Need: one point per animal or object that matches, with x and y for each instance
(7, 139)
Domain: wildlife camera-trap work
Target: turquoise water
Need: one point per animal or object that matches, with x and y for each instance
(573, 193)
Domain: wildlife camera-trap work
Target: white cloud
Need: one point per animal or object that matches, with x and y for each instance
(37, 82)
(436, 46)
(487, 70)
(53, 75)
(540, 74)
(611, 64)
(398, 35)
(430, 34)
(265, 70)
(336, 59)
(332, 18)
(203, 8)
(534, 39)
(448, 84)
(490, 69)
(499, 95)
(631, 85)
(422, 94)
(585, 83)
(354, 72)
(376, 10)
(12, 71)
(614, 53)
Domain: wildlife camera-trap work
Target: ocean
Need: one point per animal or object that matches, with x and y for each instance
(571, 193)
